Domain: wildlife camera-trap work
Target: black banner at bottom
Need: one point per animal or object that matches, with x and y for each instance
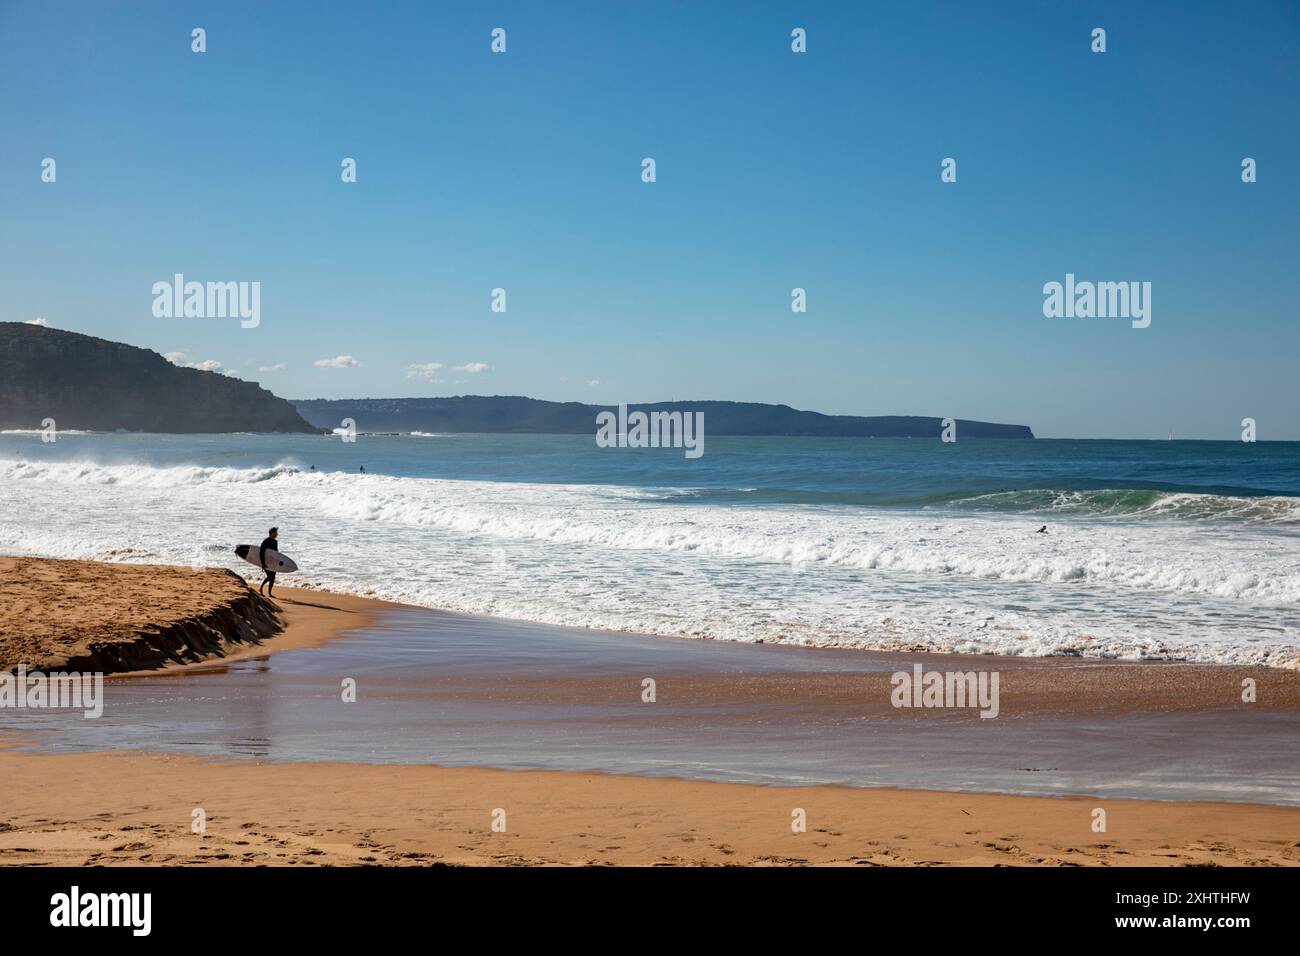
(126, 905)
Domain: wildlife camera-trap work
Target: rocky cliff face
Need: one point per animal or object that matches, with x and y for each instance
(87, 383)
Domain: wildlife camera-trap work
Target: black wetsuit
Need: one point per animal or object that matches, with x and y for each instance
(268, 545)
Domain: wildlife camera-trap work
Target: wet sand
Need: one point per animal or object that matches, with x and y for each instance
(454, 690)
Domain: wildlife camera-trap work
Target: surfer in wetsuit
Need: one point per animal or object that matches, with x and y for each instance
(268, 545)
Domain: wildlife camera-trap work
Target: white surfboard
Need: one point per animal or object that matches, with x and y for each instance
(275, 561)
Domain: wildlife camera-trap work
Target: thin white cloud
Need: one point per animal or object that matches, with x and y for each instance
(37, 321)
(424, 371)
(174, 357)
(207, 365)
(593, 381)
(277, 367)
(472, 367)
(342, 361)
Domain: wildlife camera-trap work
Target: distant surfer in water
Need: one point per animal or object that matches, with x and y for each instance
(1042, 530)
(268, 545)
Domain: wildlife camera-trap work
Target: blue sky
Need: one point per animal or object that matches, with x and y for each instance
(775, 170)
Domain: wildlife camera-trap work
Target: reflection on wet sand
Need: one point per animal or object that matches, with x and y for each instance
(459, 690)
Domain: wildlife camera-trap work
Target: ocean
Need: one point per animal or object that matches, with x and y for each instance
(1153, 550)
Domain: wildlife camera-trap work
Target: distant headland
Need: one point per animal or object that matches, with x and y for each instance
(92, 384)
(516, 414)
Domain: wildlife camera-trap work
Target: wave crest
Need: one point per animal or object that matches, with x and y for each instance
(142, 476)
(1138, 503)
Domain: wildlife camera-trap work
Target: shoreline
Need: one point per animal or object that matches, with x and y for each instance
(409, 812)
(246, 633)
(310, 618)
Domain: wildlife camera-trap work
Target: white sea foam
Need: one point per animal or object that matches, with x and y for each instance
(625, 558)
(74, 473)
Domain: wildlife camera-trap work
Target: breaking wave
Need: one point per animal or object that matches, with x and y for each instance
(1138, 503)
(1218, 580)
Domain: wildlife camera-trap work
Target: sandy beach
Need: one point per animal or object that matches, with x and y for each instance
(135, 807)
(132, 809)
(691, 435)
